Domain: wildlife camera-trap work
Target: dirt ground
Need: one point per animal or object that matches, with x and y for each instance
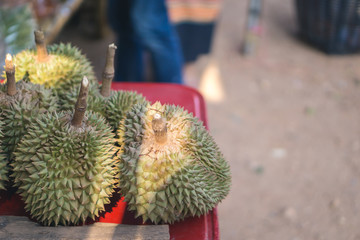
(288, 122)
(290, 127)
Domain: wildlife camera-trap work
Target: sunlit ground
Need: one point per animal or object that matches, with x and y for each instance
(211, 84)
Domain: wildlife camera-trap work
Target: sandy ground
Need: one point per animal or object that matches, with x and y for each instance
(288, 122)
(290, 127)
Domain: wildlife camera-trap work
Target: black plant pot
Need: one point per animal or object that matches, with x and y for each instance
(330, 25)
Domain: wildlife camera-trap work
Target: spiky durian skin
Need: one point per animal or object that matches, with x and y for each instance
(65, 68)
(113, 108)
(67, 102)
(3, 163)
(186, 176)
(18, 111)
(66, 174)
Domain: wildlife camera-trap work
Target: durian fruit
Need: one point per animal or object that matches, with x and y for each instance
(60, 66)
(65, 166)
(171, 168)
(20, 103)
(3, 164)
(113, 105)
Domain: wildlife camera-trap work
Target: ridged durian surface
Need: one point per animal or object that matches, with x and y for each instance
(185, 176)
(18, 111)
(4, 170)
(65, 174)
(113, 108)
(64, 69)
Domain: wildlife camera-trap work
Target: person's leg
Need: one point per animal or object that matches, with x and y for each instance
(154, 31)
(128, 55)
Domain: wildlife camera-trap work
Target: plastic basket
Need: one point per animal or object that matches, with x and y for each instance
(330, 25)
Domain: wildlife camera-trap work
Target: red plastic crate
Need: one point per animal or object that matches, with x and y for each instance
(204, 227)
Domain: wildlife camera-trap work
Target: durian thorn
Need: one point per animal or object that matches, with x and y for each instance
(42, 54)
(81, 103)
(109, 71)
(10, 75)
(159, 127)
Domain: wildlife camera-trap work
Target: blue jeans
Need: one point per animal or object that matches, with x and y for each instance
(144, 25)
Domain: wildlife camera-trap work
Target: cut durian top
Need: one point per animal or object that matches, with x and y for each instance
(177, 132)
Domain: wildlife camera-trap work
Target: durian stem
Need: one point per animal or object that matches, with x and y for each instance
(159, 127)
(10, 75)
(42, 53)
(109, 71)
(81, 104)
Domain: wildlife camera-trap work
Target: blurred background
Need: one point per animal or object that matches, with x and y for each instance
(284, 111)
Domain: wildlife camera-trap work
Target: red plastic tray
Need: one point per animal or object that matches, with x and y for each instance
(204, 227)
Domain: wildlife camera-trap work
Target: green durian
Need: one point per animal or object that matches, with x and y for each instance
(65, 166)
(170, 166)
(59, 66)
(113, 105)
(4, 170)
(20, 104)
